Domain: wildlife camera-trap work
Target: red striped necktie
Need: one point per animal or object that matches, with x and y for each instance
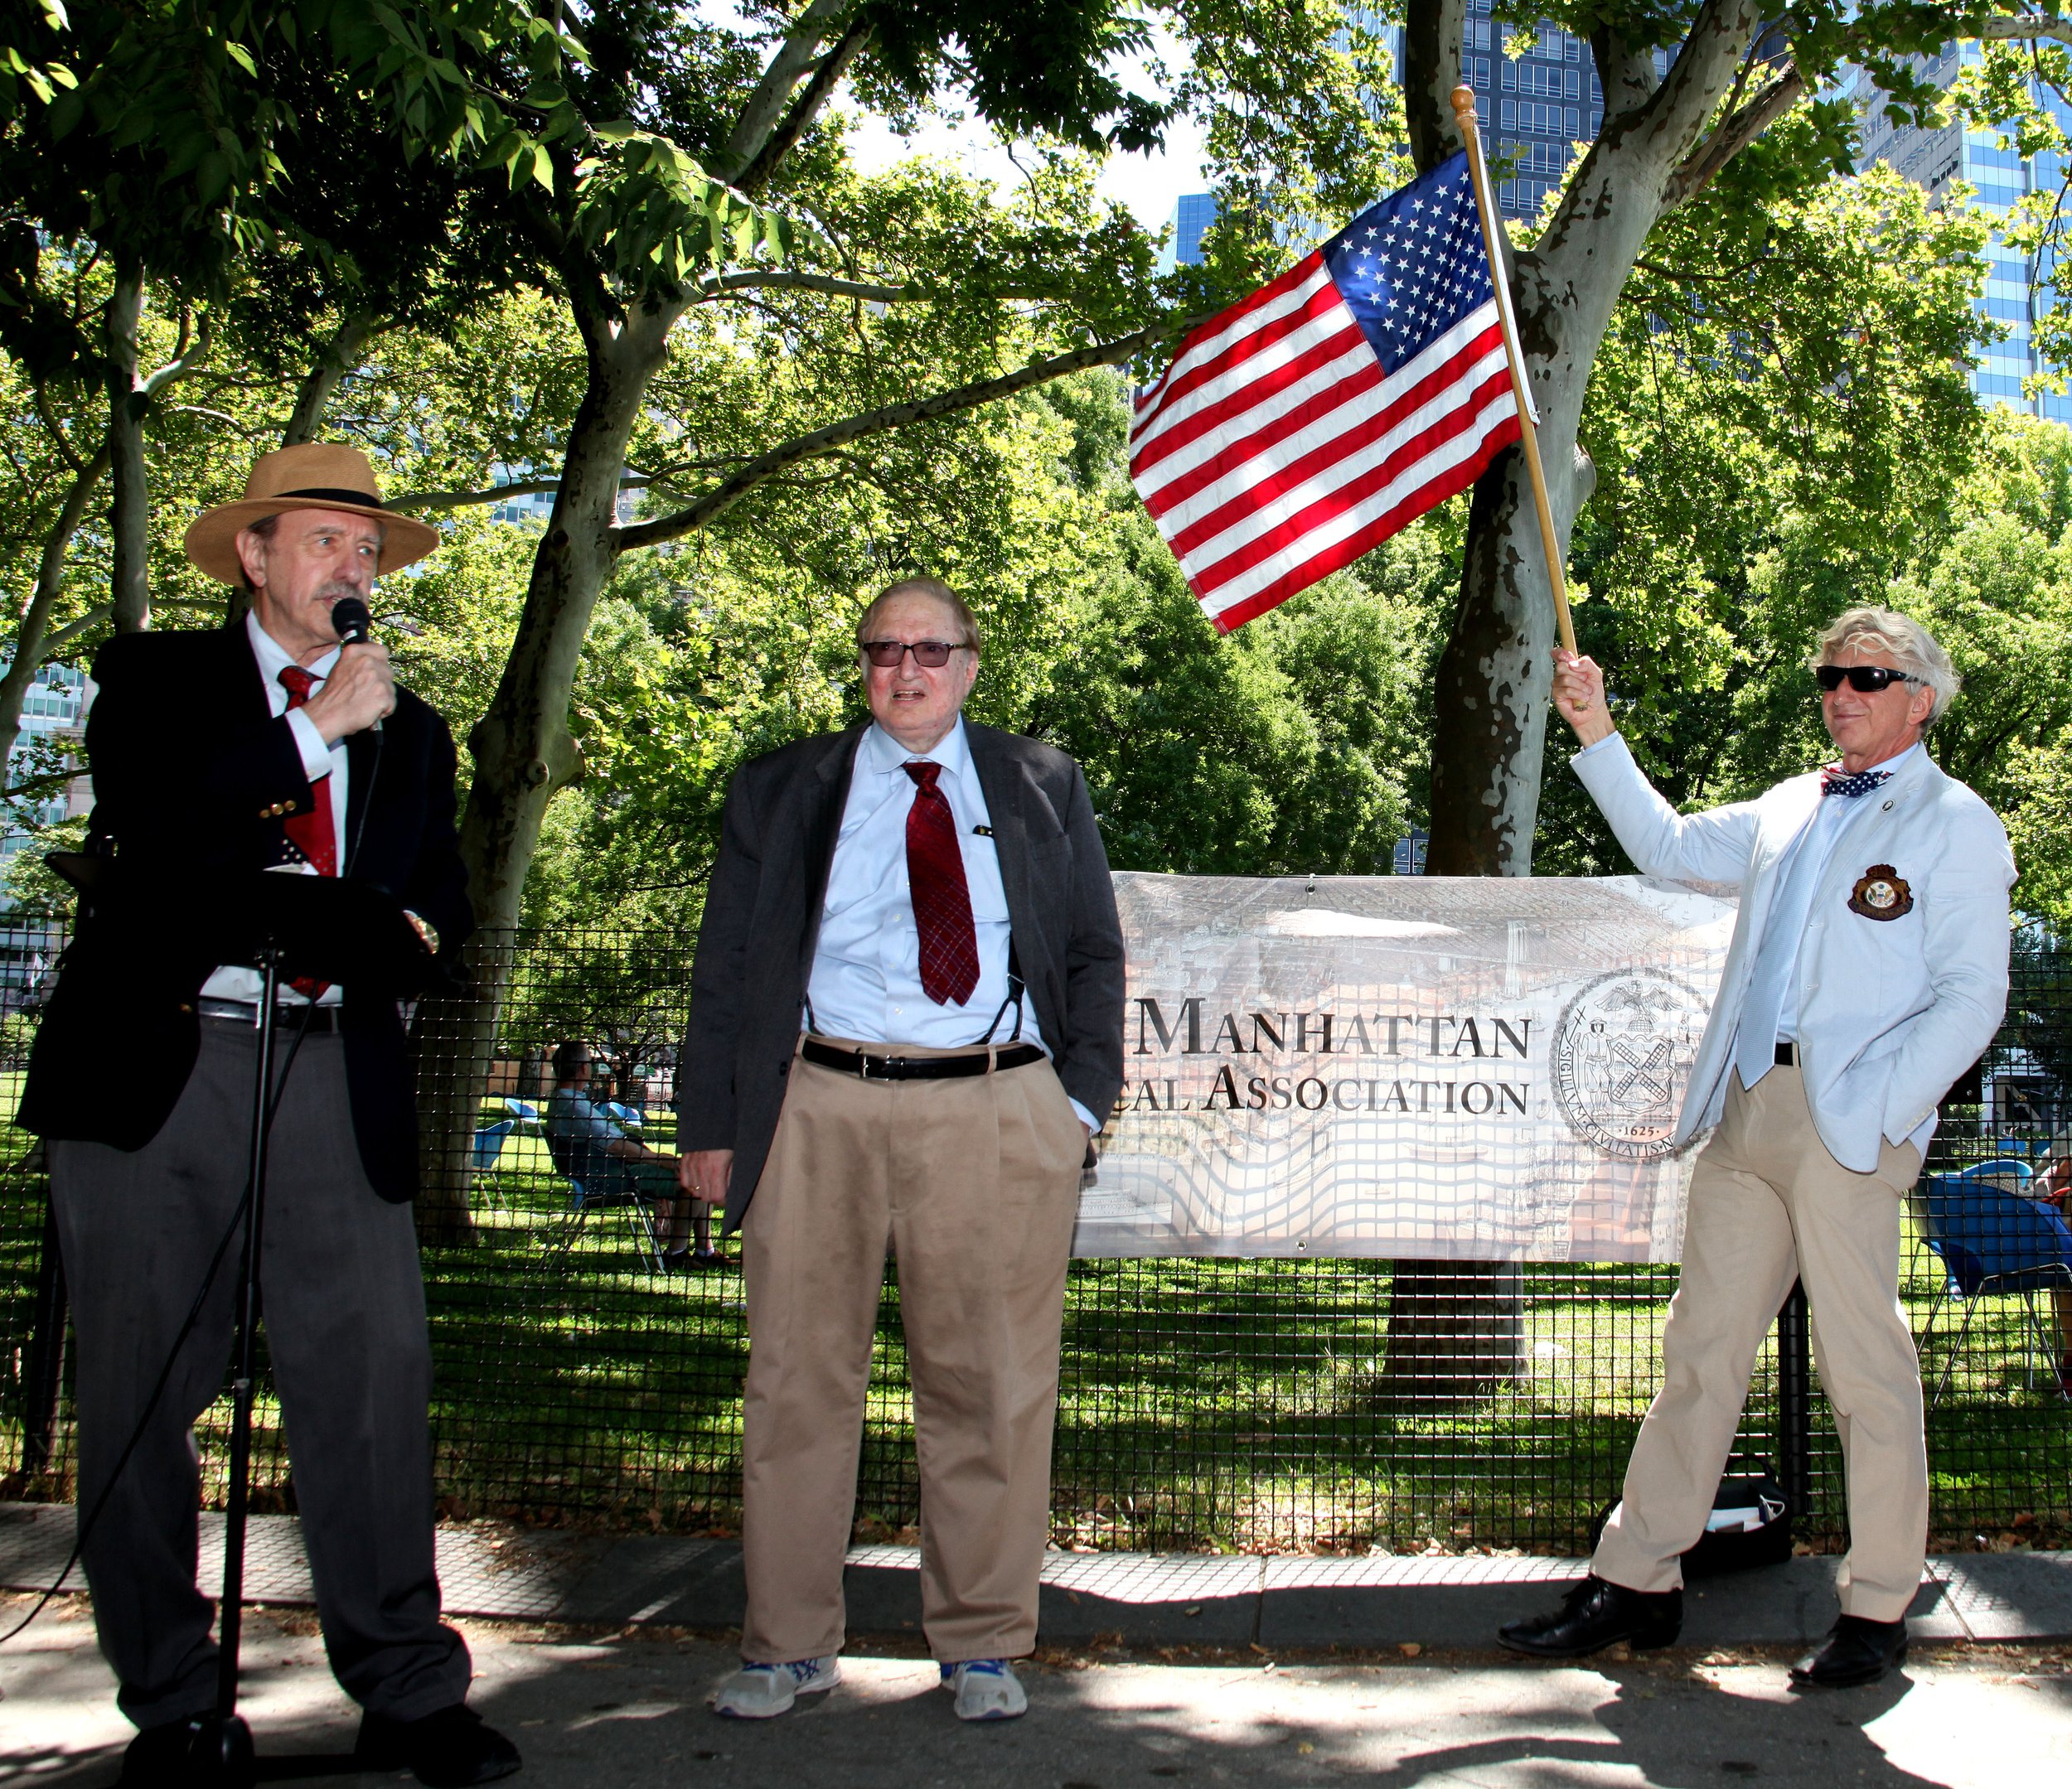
(942, 898)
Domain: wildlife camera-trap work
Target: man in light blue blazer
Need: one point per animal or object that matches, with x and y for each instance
(1868, 970)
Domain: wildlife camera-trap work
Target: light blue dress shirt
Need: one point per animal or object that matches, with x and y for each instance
(866, 979)
(1771, 1009)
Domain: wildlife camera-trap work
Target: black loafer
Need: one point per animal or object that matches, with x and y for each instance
(1596, 1614)
(1857, 1652)
(449, 1750)
(200, 1750)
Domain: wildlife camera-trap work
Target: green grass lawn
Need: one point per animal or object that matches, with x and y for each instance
(1203, 1403)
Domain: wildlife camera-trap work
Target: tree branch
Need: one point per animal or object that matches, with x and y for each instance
(1431, 70)
(1734, 135)
(333, 360)
(62, 637)
(761, 470)
(819, 90)
(1627, 74)
(794, 57)
(2016, 28)
(192, 353)
(776, 278)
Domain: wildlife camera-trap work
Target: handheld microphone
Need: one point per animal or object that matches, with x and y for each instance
(350, 620)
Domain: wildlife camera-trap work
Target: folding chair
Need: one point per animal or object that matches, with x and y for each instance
(561, 1241)
(489, 1149)
(1993, 1243)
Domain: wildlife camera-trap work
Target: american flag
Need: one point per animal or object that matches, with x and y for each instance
(1307, 423)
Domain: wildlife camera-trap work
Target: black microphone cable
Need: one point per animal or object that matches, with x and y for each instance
(85, 1528)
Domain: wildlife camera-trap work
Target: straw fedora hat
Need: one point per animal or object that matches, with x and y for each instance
(320, 475)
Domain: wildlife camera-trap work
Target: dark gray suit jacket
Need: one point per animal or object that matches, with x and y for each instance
(762, 917)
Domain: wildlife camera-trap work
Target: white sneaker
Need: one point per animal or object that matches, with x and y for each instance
(986, 1690)
(755, 1692)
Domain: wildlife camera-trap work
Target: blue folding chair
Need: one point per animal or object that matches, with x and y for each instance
(630, 1116)
(1993, 1244)
(523, 1111)
(489, 1148)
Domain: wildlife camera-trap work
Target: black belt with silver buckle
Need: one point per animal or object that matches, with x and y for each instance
(244, 1013)
(1787, 1053)
(862, 1063)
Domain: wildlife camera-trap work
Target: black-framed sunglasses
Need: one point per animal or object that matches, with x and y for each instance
(1866, 679)
(931, 655)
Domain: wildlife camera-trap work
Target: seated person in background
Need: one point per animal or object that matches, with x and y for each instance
(592, 1148)
(2051, 1189)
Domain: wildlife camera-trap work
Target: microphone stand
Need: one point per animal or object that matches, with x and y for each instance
(223, 1751)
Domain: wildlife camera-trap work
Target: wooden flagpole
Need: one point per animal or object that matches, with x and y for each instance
(1463, 109)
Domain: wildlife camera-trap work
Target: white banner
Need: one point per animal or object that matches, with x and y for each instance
(1453, 1067)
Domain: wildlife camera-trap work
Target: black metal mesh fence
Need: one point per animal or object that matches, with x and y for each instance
(1225, 1403)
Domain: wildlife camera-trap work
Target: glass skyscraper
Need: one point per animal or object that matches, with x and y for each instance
(1934, 160)
(1533, 110)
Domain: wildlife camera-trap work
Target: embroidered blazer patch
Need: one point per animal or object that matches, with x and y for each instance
(1881, 893)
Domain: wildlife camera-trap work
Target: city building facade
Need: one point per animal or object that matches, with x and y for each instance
(1935, 160)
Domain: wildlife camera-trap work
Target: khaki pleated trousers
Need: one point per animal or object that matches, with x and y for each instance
(975, 1184)
(1769, 1205)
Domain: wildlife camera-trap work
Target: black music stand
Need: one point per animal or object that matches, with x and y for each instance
(358, 937)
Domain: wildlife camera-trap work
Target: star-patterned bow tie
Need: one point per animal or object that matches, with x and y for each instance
(1834, 782)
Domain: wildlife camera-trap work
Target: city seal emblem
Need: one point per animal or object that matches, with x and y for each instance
(1623, 1050)
(1880, 893)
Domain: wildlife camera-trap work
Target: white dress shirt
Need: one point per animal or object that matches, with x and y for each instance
(866, 979)
(325, 766)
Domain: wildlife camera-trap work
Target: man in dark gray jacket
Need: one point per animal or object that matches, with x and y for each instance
(905, 1022)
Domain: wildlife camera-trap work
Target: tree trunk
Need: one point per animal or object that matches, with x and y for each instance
(33, 641)
(1456, 1329)
(523, 750)
(129, 508)
(334, 360)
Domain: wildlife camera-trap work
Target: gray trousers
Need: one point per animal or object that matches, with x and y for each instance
(343, 1307)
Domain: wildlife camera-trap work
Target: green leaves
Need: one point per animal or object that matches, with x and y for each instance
(656, 219)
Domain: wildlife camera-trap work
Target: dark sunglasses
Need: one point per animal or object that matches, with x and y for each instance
(931, 655)
(1866, 679)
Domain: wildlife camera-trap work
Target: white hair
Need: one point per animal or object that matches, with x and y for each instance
(1908, 644)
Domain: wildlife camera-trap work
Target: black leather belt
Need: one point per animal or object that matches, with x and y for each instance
(870, 1067)
(321, 1018)
(1787, 1053)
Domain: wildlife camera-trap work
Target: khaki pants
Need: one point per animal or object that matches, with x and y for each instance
(975, 1183)
(1769, 1204)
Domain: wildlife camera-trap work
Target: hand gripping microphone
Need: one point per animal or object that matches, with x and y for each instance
(350, 620)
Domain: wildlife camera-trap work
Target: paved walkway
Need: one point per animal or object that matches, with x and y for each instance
(1141, 1600)
(599, 1657)
(629, 1709)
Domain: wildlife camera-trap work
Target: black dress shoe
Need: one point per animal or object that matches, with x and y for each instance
(1596, 1614)
(163, 1754)
(1857, 1652)
(448, 1750)
(200, 1751)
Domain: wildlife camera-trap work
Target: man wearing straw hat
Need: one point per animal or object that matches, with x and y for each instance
(1868, 971)
(264, 745)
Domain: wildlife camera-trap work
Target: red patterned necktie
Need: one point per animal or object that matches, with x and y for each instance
(313, 834)
(942, 899)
